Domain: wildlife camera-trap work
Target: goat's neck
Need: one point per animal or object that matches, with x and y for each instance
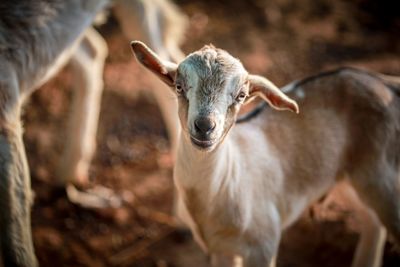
(213, 168)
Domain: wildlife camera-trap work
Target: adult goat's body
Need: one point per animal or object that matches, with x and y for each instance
(240, 188)
(34, 35)
(37, 38)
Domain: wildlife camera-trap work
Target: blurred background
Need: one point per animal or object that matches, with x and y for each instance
(284, 40)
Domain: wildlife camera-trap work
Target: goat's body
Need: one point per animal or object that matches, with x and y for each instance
(37, 38)
(34, 37)
(241, 195)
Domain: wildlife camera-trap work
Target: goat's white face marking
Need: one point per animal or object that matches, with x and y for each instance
(211, 85)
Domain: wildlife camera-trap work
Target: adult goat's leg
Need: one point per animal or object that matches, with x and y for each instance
(15, 192)
(87, 65)
(162, 25)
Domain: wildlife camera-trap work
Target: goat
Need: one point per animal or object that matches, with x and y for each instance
(37, 38)
(239, 187)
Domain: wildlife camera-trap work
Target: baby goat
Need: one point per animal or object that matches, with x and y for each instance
(240, 187)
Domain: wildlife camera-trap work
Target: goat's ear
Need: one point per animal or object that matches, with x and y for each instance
(163, 69)
(260, 86)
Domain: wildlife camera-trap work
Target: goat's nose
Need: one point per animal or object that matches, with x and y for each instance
(204, 125)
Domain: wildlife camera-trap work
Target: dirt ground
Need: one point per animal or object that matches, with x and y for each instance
(284, 40)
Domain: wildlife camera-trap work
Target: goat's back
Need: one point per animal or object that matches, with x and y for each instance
(366, 106)
(349, 120)
(34, 33)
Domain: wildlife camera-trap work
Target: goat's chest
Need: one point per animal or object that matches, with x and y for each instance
(218, 220)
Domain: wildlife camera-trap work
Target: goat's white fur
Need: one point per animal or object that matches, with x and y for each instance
(239, 194)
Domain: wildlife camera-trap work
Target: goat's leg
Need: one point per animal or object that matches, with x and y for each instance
(380, 190)
(154, 24)
(273, 262)
(15, 191)
(141, 19)
(162, 25)
(263, 255)
(259, 257)
(222, 260)
(87, 64)
(370, 246)
(168, 105)
(174, 52)
(159, 23)
(15, 199)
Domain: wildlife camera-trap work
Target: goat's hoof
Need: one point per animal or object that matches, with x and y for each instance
(97, 197)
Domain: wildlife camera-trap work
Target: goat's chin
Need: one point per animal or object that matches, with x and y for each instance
(203, 145)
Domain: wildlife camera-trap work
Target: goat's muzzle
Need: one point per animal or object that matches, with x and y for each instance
(204, 127)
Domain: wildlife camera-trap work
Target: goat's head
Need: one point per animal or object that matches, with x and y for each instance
(211, 85)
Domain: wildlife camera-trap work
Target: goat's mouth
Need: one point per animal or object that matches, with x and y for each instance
(202, 144)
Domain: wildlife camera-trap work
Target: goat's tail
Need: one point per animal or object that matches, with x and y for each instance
(392, 81)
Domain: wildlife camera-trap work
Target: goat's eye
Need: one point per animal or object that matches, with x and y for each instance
(179, 88)
(241, 97)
